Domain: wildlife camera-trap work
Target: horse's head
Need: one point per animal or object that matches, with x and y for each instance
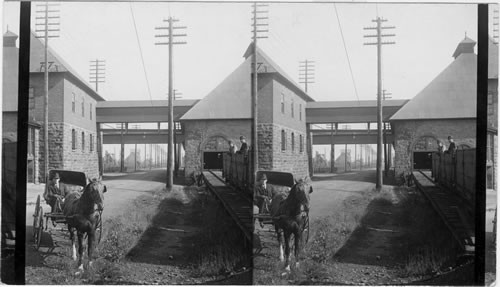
(95, 191)
(300, 192)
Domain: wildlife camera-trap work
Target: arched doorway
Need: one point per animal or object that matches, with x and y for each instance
(422, 152)
(212, 152)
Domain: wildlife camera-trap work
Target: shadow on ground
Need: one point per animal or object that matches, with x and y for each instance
(368, 175)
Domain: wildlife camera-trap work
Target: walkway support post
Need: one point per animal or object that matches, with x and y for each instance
(309, 149)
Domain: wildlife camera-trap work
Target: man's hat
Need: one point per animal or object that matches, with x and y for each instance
(262, 177)
(55, 175)
(242, 138)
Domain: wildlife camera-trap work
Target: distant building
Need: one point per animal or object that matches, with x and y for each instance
(225, 114)
(72, 104)
(445, 107)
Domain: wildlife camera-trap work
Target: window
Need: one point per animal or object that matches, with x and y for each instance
(282, 103)
(90, 104)
(73, 103)
(73, 139)
(91, 142)
(301, 143)
(292, 108)
(283, 140)
(300, 112)
(83, 141)
(293, 142)
(83, 107)
(31, 103)
(31, 144)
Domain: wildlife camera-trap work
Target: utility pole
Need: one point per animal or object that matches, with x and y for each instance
(97, 70)
(306, 73)
(171, 42)
(379, 44)
(47, 28)
(386, 146)
(495, 26)
(258, 17)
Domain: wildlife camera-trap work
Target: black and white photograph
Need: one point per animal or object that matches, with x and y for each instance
(249, 143)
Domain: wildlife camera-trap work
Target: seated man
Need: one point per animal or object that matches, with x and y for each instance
(55, 193)
(262, 195)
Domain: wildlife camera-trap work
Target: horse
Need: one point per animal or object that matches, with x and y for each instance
(82, 214)
(289, 217)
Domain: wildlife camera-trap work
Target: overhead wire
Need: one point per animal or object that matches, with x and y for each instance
(347, 53)
(140, 50)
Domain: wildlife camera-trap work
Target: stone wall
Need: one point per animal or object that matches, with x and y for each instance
(407, 134)
(199, 133)
(294, 161)
(61, 153)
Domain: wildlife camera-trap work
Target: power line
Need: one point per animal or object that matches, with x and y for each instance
(142, 57)
(346, 53)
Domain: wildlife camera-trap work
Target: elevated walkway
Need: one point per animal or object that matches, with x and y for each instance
(450, 208)
(237, 204)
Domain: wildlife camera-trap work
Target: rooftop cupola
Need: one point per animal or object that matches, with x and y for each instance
(466, 46)
(9, 39)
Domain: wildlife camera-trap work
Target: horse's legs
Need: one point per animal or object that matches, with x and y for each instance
(297, 240)
(80, 250)
(279, 234)
(287, 250)
(90, 247)
(73, 242)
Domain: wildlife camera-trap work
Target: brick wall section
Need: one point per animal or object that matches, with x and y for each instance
(198, 133)
(407, 133)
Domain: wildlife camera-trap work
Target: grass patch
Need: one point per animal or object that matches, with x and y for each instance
(220, 246)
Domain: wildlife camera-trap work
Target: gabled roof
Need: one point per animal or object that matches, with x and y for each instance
(354, 104)
(269, 66)
(145, 103)
(229, 100)
(37, 57)
(451, 95)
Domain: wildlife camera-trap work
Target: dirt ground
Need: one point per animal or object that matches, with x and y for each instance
(148, 238)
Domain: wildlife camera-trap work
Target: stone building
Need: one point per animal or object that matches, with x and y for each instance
(445, 107)
(225, 114)
(72, 104)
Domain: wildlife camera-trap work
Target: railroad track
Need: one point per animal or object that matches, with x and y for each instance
(238, 205)
(449, 207)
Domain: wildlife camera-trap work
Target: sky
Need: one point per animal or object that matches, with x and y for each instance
(219, 33)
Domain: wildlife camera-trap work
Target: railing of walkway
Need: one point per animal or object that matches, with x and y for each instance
(458, 173)
(237, 170)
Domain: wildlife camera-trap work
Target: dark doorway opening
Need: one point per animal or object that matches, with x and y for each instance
(212, 160)
(422, 160)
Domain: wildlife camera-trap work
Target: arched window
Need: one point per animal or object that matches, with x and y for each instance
(83, 107)
(83, 141)
(283, 140)
(301, 143)
(293, 142)
(73, 139)
(282, 103)
(91, 142)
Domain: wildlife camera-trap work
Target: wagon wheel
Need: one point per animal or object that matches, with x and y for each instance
(38, 228)
(35, 217)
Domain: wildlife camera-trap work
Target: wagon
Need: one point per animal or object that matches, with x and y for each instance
(280, 181)
(73, 181)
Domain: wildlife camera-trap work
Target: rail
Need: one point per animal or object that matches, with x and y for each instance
(238, 172)
(456, 172)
